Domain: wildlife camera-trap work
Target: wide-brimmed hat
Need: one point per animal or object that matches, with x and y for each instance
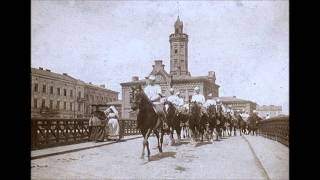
(196, 88)
(171, 90)
(210, 95)
(177, 93)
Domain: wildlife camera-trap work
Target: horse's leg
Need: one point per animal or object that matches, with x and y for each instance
(158, 139)
(143, 143)
(161, 140)
(147, 143)
(178, 130)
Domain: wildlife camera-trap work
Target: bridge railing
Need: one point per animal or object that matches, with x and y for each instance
(276, 128)
(56, 132)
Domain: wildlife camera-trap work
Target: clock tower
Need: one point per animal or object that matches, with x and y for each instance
(178, 51)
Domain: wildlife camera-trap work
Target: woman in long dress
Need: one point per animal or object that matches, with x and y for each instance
(113, 123)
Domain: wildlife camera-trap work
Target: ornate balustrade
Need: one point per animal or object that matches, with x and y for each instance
(56, 132)
(276, 128)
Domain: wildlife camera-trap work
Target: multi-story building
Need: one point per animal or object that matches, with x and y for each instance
(271, 111)
(97, 96)
(56, 95)
(238, 104)
(179, 78)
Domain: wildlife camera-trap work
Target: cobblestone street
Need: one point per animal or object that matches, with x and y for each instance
(230, 158)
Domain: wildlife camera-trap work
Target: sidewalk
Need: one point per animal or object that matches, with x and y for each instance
(273, 155)
(35, 154)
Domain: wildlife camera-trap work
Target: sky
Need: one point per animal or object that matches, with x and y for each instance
(246, 43)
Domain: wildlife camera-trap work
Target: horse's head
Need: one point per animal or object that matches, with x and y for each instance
(194, 108)
(169, 107)
(136, 97)
(211, 109)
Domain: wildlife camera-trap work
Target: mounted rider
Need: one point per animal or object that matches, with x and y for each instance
(210, 102)
(153, 92)
(173, 98)
(199, 99)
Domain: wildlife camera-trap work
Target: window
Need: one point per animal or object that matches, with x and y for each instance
(87, 97)
(70, 106)
(51, 104)
(71, 93)
(44, 88)
(58, 91)
(43, 103)
(64, 92)
(36, 87)
(78, 106)
(175, 51)
(79, 94)
(51, 89)
(58, 105)
(35, 103)
(65, 105)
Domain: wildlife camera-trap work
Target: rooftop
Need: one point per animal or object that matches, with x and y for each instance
(66, 77)
(232, 99)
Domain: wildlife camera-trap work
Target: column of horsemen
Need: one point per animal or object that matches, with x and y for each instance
(199, 117)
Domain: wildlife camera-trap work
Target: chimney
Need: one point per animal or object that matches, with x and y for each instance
(90, 82)
(102, 86)
(65, 74)
(48, 70)
(40, 68)
(234, 96)
(212, 75)
(135, 78)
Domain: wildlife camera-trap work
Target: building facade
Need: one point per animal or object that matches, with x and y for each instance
(272, 110)
(56, 95)
(179, 77)
(238, 104)
(96, 96)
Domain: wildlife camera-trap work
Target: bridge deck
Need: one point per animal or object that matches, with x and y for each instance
(237, 157)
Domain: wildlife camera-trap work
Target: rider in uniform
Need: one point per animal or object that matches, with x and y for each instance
(153, 92)
(173, 98)
(199, 99)
(210, 101)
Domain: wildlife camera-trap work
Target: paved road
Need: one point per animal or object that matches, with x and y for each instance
(249, 157)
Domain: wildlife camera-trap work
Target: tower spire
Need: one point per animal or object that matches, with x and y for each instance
(178, 9)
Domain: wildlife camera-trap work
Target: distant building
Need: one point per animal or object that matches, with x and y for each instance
(96, 96)
(238, 104)
(179, 78)
(270, 110)
(56, 95)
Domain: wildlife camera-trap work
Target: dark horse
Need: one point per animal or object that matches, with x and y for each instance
(212, 120)
(194, 119)
(173, 120)
(253, 125)
(197, 121)
(242, 125)
(147, 118)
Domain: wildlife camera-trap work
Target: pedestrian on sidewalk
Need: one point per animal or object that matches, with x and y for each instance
(113, 123)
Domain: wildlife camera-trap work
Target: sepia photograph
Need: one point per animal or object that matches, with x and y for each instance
(160, 89)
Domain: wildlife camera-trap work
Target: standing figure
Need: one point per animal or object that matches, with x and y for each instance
(113, 123)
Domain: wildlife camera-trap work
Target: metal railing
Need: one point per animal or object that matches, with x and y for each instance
(276, 128)
(56, 132)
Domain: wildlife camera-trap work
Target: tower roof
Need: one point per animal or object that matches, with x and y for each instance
(178, 22)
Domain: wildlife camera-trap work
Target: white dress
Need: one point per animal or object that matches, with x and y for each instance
(114, 128)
